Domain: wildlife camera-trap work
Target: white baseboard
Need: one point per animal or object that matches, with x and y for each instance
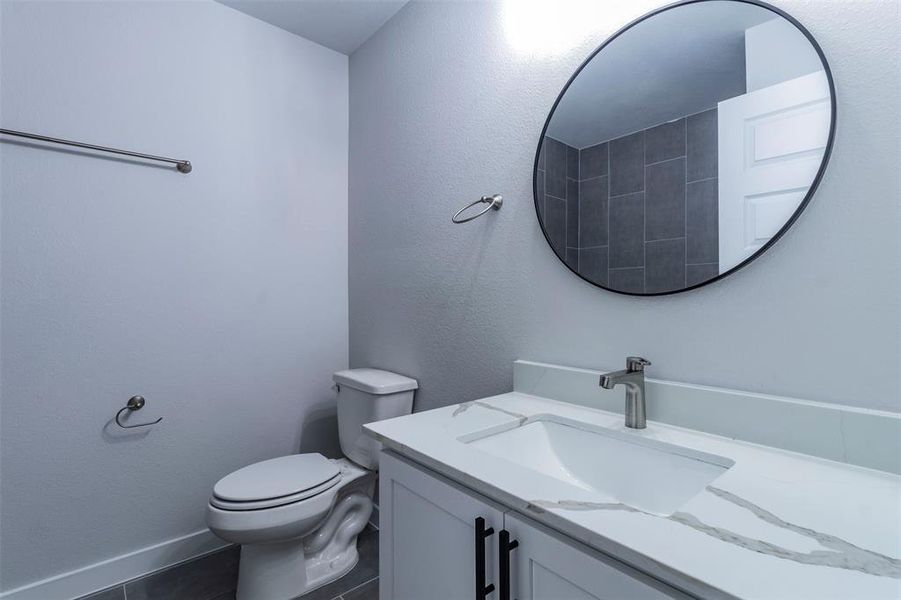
(119, 569)
(858, 436)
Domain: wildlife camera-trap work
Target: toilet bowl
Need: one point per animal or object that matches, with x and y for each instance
(297, 517)
(293, 542)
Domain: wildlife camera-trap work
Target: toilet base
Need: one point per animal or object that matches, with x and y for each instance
(283, 572)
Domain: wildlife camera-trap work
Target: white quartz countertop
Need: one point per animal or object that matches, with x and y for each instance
(776, 524)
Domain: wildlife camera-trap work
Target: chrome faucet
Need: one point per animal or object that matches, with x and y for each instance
(633, 378)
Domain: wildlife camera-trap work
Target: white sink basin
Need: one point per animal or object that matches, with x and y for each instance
(621, 467)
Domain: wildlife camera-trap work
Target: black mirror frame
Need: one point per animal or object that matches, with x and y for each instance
(810, 192)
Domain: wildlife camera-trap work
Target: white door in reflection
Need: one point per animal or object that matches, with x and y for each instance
(771, 145)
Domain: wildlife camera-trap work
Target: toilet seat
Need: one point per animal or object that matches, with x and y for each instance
(275, 482)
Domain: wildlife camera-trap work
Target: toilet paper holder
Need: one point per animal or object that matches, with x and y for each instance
(134, 403)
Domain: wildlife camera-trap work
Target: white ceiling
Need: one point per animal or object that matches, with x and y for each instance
(677, 63)
(341, 25)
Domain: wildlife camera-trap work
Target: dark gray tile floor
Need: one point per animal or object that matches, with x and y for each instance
(367, 591)
(205, 578)
(116, 593)
(215, 576)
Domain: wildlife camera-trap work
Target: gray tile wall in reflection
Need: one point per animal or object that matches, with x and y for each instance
(638, 213)
(558, 198)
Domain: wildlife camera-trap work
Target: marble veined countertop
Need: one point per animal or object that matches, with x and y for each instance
(777, 524)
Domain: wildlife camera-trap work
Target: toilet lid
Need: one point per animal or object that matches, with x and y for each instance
(276, 502)
(277, 477)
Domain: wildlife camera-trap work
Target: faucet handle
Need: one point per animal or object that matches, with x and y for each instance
(637, 363)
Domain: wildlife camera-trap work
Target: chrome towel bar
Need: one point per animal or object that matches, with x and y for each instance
(183, 166)
(495, 202)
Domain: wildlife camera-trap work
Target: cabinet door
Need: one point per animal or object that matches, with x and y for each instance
(427, 548)
(544, 566)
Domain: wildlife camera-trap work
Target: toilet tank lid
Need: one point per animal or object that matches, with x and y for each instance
(375, 381)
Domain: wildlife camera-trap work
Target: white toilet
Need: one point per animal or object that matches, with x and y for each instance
(297, 517)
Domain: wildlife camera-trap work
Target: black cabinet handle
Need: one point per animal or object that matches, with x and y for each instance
(482, 533)
(504, 546)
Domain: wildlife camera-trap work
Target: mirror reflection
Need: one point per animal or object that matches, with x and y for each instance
(683, 147)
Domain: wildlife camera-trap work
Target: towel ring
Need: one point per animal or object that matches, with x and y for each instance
(134, 403)
(495, 202)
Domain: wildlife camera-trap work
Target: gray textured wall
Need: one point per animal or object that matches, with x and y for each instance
(220, 295)
(443, 111)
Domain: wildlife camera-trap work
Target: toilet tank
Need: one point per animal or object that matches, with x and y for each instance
(364, 396)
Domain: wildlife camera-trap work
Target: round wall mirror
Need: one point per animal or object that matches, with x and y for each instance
(684, 146)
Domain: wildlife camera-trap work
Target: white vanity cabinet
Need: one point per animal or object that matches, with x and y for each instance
(427, 529)
(428, 548)
(546, 566)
